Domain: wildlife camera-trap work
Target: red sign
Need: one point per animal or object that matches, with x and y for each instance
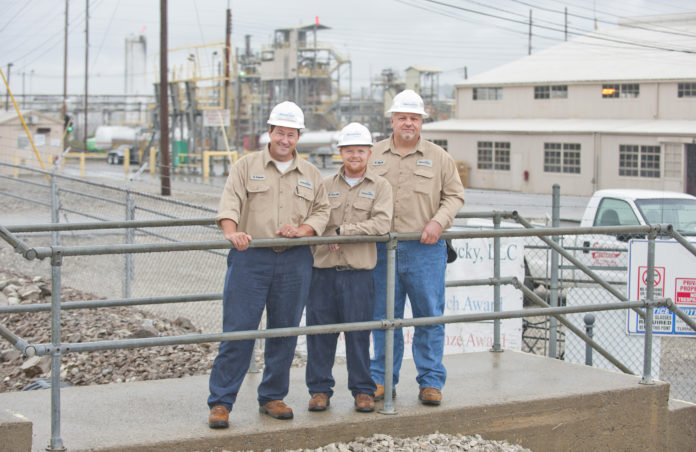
(685, 291)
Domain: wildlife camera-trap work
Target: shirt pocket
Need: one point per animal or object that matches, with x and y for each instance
(302, 203)
(336, 217)
(259, 195)
(423, 181)
(361, 210)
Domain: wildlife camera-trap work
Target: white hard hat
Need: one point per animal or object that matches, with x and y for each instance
(287, 114)
(408, 101)
(354, 134)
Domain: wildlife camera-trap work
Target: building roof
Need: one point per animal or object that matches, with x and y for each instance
(539, 126)
(9, 116)
(644, 48)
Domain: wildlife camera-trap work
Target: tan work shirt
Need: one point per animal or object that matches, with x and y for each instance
(364, 209)
(260, 199)
(425, 184)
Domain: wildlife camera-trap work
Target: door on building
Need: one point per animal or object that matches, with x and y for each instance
(690, 169)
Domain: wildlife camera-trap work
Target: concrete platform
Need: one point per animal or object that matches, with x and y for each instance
(543, 404)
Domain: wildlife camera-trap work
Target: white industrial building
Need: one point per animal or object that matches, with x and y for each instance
(612, 109)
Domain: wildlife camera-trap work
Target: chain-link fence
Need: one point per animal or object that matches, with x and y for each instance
(179, 273)
(130, 276)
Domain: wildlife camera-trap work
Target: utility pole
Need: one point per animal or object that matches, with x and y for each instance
(7, 96)
(529, 46)
(164, 104)
(86, 64)
(65, 73)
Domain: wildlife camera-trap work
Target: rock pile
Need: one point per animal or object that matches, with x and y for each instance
(86, 325)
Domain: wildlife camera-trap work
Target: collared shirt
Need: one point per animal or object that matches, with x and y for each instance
(364, 209)
(260, 199)
(425, 184)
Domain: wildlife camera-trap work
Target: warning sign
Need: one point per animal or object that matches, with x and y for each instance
(674, 277)
(685, 291)
(659, 284)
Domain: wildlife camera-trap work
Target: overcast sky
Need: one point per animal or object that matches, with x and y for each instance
(374, 34)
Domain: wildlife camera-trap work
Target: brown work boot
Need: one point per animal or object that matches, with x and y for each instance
(276, 409)
(379, 393)
(364, 403)
(319, 402)
(430, 396)
(218, 417)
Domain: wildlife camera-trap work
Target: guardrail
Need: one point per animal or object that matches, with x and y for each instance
(57, 253)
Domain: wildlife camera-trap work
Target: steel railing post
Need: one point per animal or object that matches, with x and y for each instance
(650, 296)
(55, 208)
(589, 330)
(130, 239)
(56, 443)
(555, 223)
(496, 287)
(388, 407)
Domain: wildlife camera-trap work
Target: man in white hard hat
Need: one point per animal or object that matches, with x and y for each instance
(427, 194)
(269, 194)
(342, 289)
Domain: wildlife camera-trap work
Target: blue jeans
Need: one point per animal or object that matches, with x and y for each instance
(258, 278)
(420, 274)
(339, 297)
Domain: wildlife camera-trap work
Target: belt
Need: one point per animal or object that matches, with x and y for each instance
(280, 249)
(344, 268)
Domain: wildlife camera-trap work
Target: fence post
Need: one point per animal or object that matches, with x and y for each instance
(55, 208)
(555, 222)
(496, 287)
(56, 443)
(130, 238)
(589, 326)
(650, 296)
(388, 407)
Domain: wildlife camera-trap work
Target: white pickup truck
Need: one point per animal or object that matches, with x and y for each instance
(607, 255)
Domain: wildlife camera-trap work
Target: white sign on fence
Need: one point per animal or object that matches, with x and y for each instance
(675, 278)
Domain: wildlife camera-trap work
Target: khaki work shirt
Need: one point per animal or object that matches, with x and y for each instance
(425, 184)
(364, 209)
(260, 199)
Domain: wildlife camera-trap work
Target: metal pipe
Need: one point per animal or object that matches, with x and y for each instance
(582, 266)
(496, 287)
(385, 324)
(56, 263)
(681, 314)
(685, 243)
(112, 225)
(535, 298)
(649, 311)
(504, 214)
(388, 407)
(555, 223)
(479, 282)
(18, 245)
(589, 320)
(92, 304)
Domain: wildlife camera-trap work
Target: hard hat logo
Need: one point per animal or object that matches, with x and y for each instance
(408, 101)
(287, 114)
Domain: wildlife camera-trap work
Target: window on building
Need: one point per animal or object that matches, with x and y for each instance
(441, 143)
(624, 90)
(488, 93)
(44, 130)
(562, 158)
(673, 160)
(551, 92)
(639, 161)
(686, 90)
(493, 155)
